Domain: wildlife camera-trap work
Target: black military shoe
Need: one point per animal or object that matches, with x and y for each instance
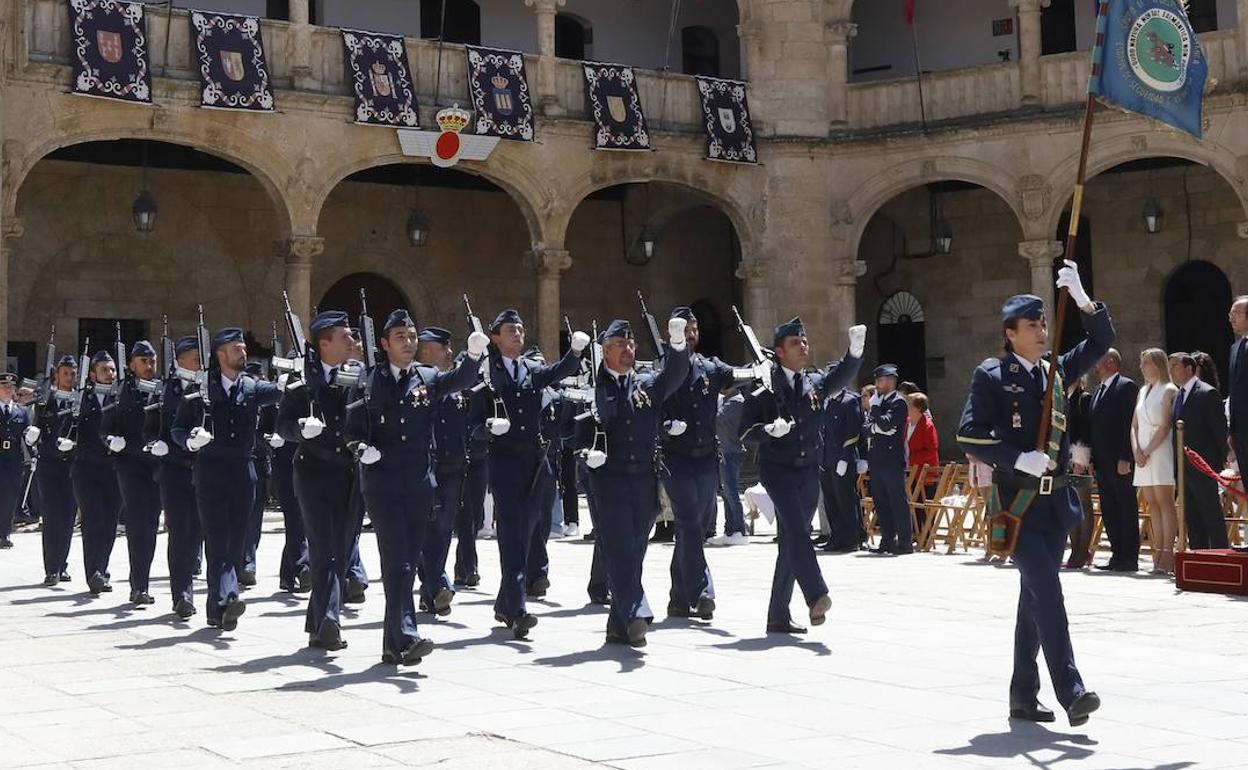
(231, 613)
(246, 578)
(539, 587)
(473, 580)
(50, 580)
(354, 593)
(706, 608)
(601, 599)
(141, 598)
(677, 610)
(819, 610)
(5, 542)
(329, 638)
(785, 627)
(442, 601)
(521, 626)
(97, 585)
(1082, 708)
(303, 582)
(1036, 712)
(416, 652)
(637, 628)
(184, 609)
(65, 578)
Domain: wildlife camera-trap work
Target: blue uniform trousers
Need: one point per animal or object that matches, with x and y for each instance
(795, 493)
(179, 499)
(295, 551)
(892, 509)
(95, 488)
(324, 491)
(399, 507)
(516, 502)
(626, 508)
(255, 523)
(840, 496)
(730, 490)
(355, 565)
(691, 485)
(1041, 622)
(439, 527)
(469, 516)
(225, 489)
(538, 564)
(597, 567)
(11, 472)
(58, 508)
(140, 497)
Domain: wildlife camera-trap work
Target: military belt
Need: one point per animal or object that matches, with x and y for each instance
(1044, 484)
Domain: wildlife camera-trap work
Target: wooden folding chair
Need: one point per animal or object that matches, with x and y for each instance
(935, 516)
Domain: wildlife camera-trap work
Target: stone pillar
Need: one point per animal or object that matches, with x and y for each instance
(10, 231)
(298, 253)
(844, 295)
(1040, 256)
(301, 47)
(839, 35)
(788, 58)
(1029, 46)
(548, 264)
(1241, 37)
(547, 98)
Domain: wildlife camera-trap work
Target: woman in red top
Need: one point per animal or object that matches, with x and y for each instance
(922, 441)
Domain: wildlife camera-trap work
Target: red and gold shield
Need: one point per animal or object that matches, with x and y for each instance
(109, 43)
(232, 64)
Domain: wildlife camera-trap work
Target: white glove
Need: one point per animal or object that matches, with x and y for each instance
(1033, 463)
(310, 427)
(370, 454)
(282, 380)
(1068, 278)
(861, 467)
(875, 399)
(595, 458)
(198, 439)
(65, 445)
(116, 443)
(676, 427)
(158, 448)
(579, 341)
(779, 428)
(477, 343)
(498, 425)
(841, 467)
(31, 436)
(275, 440)
(857, 340)
(676, 333)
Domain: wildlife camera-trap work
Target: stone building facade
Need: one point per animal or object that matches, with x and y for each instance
(833, 223)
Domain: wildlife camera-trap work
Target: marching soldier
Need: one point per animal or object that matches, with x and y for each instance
(471, 512)
(842, 463)
(14, 420)
(1000, 426)
(357, 577)
(624, 475)
(790, 416)
(124, 428)
(177, 488)
(537, 564)
(220, 428)
(262, 458)
(95, 484)
(392, 434)
(518, 458)
(293, 573)
(886, 459)
(51, 424)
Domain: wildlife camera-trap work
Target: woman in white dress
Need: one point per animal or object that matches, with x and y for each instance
(1154, 454)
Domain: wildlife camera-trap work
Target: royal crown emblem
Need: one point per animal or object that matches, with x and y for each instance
(453, 119)
(447, 147)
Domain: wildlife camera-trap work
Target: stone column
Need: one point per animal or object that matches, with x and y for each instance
(1029, 47)
(10, 231)
(298, 253)
(787, 56)
(548, 264)
(301, 47)
(844, 295)
(547, 98)
(1241, 37)
(1040, 256)
(758, 311)
(839, 35)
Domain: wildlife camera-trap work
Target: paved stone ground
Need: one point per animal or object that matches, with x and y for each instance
(910, 672)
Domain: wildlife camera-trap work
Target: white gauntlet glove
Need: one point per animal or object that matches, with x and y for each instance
(857, 340)
(275, 440)
(198, 439)
(676, 427)
(369, 454)
(779, 428)
(31, 436)
(158, 448)
(676, 333)
(580, 340)
(595, 458)
(841, 468)
(1033, 463)
(498, 425)
(875, 399)
(65, 445)
(477, 343)
(116, 444)
(310, 427)
(1068, 278)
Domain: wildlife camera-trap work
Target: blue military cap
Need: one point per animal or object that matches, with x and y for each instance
(508, 316)
(67, 360)
(253, 368)
(792, 328)
(885, 370)
(185, 344)
(328, 319)
(8, 378)
(399, 319)
(685, 313)
(1022, 306)
(142, 349)
(617, 328)
(434, 334)
(101, 357)
(226, 336)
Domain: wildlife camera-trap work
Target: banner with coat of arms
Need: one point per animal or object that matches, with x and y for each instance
(381, 77)
(233, 73)
(726, 119)
(612, 101)
(110, 50)
(500, 93)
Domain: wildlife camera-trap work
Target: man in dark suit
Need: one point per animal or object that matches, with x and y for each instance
(1237, 387)
(1200, 408)
(1112, 406)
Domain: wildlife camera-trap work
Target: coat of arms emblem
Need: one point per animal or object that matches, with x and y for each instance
(232, 65)
(502, 95)
(109, 43)
(727, 120)
(615, 105)
(383, 85)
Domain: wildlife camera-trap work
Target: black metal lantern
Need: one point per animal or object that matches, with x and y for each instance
(942, 237)
(417, 229)
(647, 242)
(144, 212)
(1152, 215)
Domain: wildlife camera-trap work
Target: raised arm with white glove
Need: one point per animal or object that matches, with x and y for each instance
(31, 435)
(477, 343)
(580, 340)
(857, 340)
(676, 333)
(1068, 278)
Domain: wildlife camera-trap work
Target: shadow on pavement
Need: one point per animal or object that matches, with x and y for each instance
(1024, 739)
(406, 680)
(205, 635)
(772, 641)
(628, 658)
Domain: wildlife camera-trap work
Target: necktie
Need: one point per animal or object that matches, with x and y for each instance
(797, 383)
(515, 371)
(1099, 392)
(624, 382)
(1038, 376)
(233, 397)
(333, 372)
(1178, 403)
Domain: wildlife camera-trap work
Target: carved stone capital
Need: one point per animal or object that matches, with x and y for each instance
(12, 229)
(842, 31)
(545, 6)
(1241, 230)
(751, 270)
(548, 261)
(301, 248)
(1032, 6)
(1040, 253)
(848, 272)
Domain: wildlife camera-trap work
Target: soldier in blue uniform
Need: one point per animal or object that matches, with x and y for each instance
(624, 473)
(262, 459)
(518, 459)
(50, 424)
(476, 479)
(95, 484)
(177, 487)
(537, 580)
(842, 461)
(293, 575)
(14, 420)
(222, 434)
(124, 429)
(886, 458)
(1000, 426)
(787, 421)
(392, 435)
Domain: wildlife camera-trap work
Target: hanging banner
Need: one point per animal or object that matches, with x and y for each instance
(726, 119)
(110, 50)
(500, 93)
(381, 77)
(612, 101)
(233, 74)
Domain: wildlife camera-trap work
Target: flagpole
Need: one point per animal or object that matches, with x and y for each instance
(918, 67)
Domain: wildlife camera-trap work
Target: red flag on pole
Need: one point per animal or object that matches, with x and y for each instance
(909, 12)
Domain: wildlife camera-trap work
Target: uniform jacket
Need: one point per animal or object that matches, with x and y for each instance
(842, 428)
(175, 392)
(46, 414)
(317, 398)
(232, 422)
(11, 430)
(129, 419)
(631, 416)
(524, 404)
(90, 444)
(696, 403)
(886, 432)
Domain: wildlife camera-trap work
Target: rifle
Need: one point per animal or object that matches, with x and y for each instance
(122, 358)
(168, 358)
(368, 332)
(75, 397)
(474, 324)
(48, 380)
(763, 366)
(166, 363)
(204, 343)
(301, 354)
(652, 326)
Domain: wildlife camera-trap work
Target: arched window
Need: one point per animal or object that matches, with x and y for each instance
(573, 37)
(1203, 14)
(699, 48)
(1197, 297)
(280, 9)
(383, 297)
(902, 337)
(462, 23)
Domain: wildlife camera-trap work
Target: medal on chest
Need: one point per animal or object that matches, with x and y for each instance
(641, 399)
(706, 385)
(419, 396)
(461, 401)
(1016, 422)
